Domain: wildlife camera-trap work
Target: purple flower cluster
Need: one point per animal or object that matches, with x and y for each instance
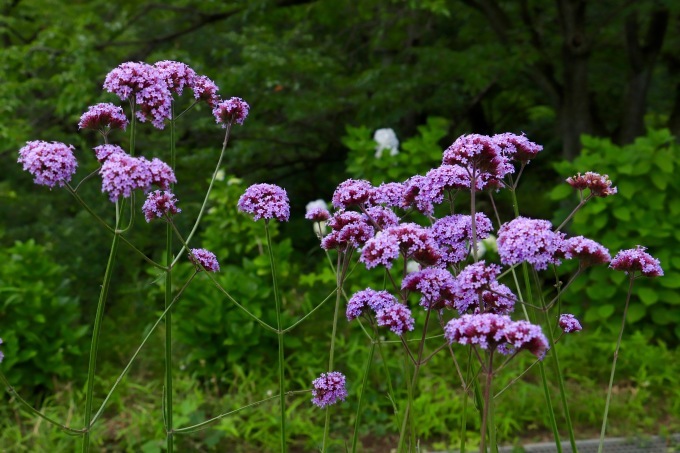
(329, 388)
(146, 86)
(454, 234)
(176, 75)
(368, 298)
(568, 323)
(381, 217)
(161, 173)
(159, 204)
(102, 152)
(587, 251)
(103, 117)
(531, 240)
(436, 285)
(265, 201)
(637, 260)
(351, 192)
(50, 164)
(413, 240)
(389, 194)
(482, 158)
(233, 110)
(477, 283)
(489, 331)
(397, 318)
(349, 229)
(205, 258)
(318, 214)
(517, 147)
(205, 90)
(599, 185)
(122, 173)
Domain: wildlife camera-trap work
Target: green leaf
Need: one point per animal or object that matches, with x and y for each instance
(622, 213)
(561, 192)
(660, 180)
(648, 296)
(636, 311)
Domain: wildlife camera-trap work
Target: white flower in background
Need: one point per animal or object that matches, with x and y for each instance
(481, 249)
(490, 243)
(386, 139)
(316, 204)
(412, 266)
(219, 176)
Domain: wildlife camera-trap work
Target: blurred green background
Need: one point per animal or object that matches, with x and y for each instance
(596, 83)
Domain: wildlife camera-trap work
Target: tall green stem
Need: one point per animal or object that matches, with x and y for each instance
(341, 269)
(487, 411)
(168, 301)
(282, 399)
(611, 376)
(99, 316)
(357, 419)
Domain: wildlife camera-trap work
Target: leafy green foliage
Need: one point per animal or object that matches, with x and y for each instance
(646, 211)
(39, 321)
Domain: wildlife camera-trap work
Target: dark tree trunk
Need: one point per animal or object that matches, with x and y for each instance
(642, 58)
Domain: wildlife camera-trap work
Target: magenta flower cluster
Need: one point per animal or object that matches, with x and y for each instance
(348, 229)
(454, 235)
(121, 174)
(436, 286)
(160, 204)
(599, 185)
(568, 323)
(103, 117)
(328, 389)
(476, 288)
(636, 260)
(410, 239)
(204, 258)
(265, 201)
(387, 310)
(50, 164)
(531, 240)
(233, 110)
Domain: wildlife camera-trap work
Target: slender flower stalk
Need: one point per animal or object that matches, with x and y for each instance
(282, 399)
(616, 356)
(487, 412)
(364, 382)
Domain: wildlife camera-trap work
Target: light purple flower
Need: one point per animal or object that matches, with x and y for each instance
(368, 298)
(415, 195)
(329, 388)
(479, 281)
(102, 152)
(389, 194)
(265, 201)
(485, 330)
(145, 85)
(161, 173)
(205, 258)
(205, 90)
(587, 251)
(381, 217)
(517, 147)
(568, 323)
(103, 117)
(318, 214)
(438, 180)
(454, 234)
(122, 173)
(599, 185)
(413, 240)
(397, 317)
(351, 192)
(637, 260)
(159, 204)
(531, 240)
(350, 229)
(481, 156)
(233, 110)
(435, 285)
(50, 164)
(522, 335)
(176, 75)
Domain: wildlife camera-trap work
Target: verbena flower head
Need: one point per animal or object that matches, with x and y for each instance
(478, 282)
(145, 85)
(568, 323)
(351, 192)
(484, 330)
(350, 229)
(265, 201)
(176, 75)
(412, 197)
(159, 204)
(637, 260)
(413, 240)
(386, 139)
(205, 258)
(318, 214)
(389, 194)
(122, 173)
(522, 335)
(50, 164)
(599, 185)
(102, 152)
(161, 173)
(531, 240)
(397, 318)
(368, 298)
(103, 117)
(587, 251)
(481, 155)
(329, 388)
(443, 178)
(454, 234)
(435, 285)
(517, 147)
(233, 110)
(381, 217)
(205, 90)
